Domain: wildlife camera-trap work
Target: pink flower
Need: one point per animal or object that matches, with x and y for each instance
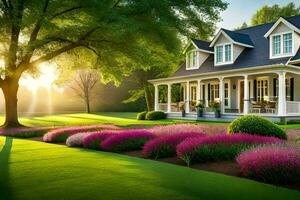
(271, 163)
(180, 128)
(76, 139)
(61, 134)
(127, 140)
(165, 145)
(94, 139)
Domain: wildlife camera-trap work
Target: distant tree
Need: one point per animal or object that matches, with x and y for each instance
(83, 83)
(117, 33)
(268, 14)
(244, 25)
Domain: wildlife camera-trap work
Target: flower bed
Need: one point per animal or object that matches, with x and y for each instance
(271, 164)
(76, 140)
(180, 128)
(94, 139)
(165, 145)
(219, 147)
(127, 140)
(25, 132)
(61, 134)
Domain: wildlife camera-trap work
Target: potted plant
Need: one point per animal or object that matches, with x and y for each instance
(200, 108)
(216, 107)
(182, 109)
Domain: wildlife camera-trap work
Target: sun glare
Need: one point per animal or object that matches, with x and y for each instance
(48, 75)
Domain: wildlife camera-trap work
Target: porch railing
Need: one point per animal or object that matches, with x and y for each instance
(292, 107)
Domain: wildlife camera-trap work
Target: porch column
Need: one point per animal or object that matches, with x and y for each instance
(281, 94)
(187, 101)
(156, 106)
(169, 97)
(221, 94)
(246, 95)
(198, 90)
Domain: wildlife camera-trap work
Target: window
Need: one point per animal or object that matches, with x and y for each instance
(289, 89)
(226, 91)
(276, 45)
(282, 45)
(191, 60)
(287, 43)
(214, 92)
(262, 90)
(223, 54)
(193, 93)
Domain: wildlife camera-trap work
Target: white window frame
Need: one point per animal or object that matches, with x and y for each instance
(229, 93)
(189, 61)
(259, 95)
(282, 55)
(223, 62)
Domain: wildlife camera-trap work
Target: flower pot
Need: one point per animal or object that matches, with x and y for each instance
(217, 114)
(199, 112)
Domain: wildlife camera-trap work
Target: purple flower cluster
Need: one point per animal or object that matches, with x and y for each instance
(271, 164)
(165, 145)
(61, 134)
(127, 140)
(94, 139)
(189, 145)
(181, 128)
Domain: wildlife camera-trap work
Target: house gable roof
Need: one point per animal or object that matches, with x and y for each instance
(250, 57)
(235, 37)
(202, 45)
(289, 22)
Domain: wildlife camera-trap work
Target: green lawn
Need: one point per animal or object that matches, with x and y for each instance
(34, 170)
(117, 118)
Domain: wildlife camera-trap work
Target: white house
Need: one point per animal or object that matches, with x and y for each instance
(255, 70)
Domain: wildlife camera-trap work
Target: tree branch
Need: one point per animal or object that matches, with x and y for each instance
(65, 11)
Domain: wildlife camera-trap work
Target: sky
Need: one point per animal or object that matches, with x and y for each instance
(240, 11)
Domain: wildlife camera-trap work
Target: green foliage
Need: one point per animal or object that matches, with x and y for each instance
(268, 14)
(29, 134)
(156, 115)
(141, 115)
(131, 145)
(256, 125)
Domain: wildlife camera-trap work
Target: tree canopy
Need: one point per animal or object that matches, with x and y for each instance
(268, 14)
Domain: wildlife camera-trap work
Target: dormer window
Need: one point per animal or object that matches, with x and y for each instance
(281, 45)
(223, 54)
(191, 60)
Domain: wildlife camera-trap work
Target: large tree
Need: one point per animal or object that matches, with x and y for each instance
(268, 14)
(115, 31)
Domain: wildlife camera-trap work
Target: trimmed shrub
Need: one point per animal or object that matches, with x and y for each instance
(180, 128)
(256, 125)
(94, 139)
(25, 132)
(165, 146)
(76, 140)
(271, 164)
(127, 140)
(155, 115)
(61, 134)
(219, 147)
(141, 115)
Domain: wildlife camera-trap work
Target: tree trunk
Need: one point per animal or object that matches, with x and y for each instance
(87, 105)
(149, 97)
(10, 90)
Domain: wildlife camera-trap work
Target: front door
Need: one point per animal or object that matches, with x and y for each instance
(241, 97)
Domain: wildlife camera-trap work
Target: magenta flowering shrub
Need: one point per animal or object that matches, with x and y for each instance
(127, 140)
(271, 164)
(181, 128)
(61, 134)
(94, 139)
(219, 147)
(76, 140)
(25, 132)
(165, 145)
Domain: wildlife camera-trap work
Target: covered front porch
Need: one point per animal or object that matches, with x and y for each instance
(274, 94)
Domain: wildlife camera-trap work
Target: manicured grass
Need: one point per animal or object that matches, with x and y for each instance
(117, 118)
(35, 170)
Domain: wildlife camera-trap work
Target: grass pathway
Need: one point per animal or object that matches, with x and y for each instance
(34, 170)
